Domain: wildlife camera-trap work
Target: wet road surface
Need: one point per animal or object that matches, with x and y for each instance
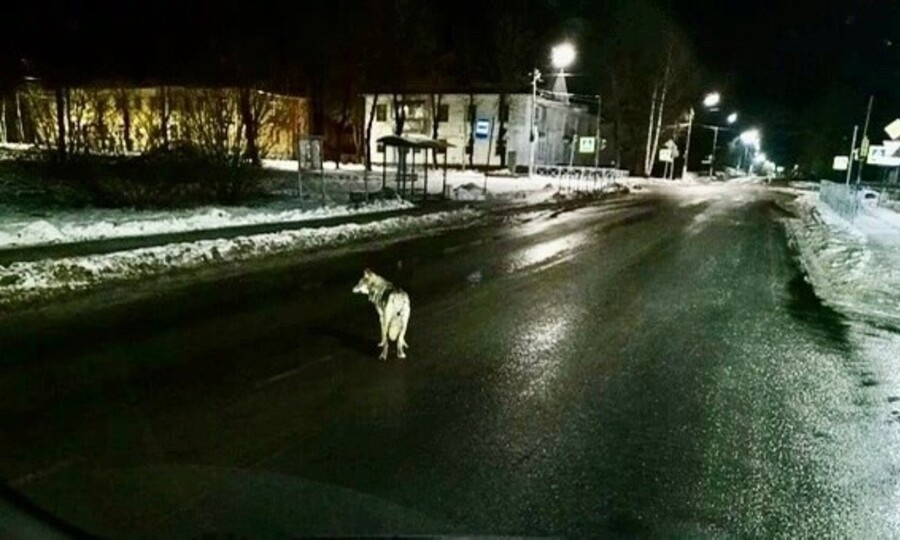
(652, 365)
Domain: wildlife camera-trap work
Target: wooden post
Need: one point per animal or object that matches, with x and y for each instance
(425, 183)
(444, 186)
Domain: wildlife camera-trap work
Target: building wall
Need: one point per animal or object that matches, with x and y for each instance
(555, 121)
(209, 118)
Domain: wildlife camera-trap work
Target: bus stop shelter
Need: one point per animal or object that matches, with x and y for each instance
(407, 146)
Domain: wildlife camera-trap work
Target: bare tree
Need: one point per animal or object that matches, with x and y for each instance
(61, 146)
(368, 138)
(123, 104)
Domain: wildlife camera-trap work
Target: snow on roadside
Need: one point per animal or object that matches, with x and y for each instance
(855, 267)
(24, 281)
(18, 230)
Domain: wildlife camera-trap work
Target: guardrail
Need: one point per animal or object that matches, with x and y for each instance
(842, 198)
(580, 173)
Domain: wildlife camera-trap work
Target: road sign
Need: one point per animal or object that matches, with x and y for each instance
(482, 128)
(893, 129)
(587, 145)
(864, 147)
(878, 155)
(665, 155)
(841, 163)
(891, 148)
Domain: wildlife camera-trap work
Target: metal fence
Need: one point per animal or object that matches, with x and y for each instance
(842, 198)
(580, 173)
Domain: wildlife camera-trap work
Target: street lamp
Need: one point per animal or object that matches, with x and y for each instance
(561, 57)
(750, 139)
(732, 118)
(710, 101)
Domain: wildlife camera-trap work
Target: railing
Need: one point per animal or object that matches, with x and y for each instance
(579, 173)
(842, 198)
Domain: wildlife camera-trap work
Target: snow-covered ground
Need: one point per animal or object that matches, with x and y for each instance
(23, 281)
(853, 266)
(18, 228)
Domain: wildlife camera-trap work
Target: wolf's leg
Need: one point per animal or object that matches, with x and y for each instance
(381, 322)
(401, 339)
(384, 351)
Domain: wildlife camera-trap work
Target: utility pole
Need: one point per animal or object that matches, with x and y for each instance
(865, 139)
(572, 142)
(599, 117)
(852, 150)
(712, 157)
(687, 146)
(535, 77)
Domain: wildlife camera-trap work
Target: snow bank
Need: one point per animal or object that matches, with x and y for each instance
(855, 267)
(17, 229)
(23, 281)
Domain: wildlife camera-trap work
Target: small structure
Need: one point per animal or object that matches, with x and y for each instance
(406, 146)
(309, 163)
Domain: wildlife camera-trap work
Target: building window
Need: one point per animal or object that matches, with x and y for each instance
(380, 148)
(381, 112)
(504, 112)
(443, 113)
(416, 117)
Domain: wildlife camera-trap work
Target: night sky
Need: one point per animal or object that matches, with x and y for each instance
(794, 68)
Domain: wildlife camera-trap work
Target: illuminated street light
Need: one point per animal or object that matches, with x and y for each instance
(732, 118)
(711, 100)
(562, 55)
(750, 138)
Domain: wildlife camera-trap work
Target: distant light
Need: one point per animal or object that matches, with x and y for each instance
(732, 118)
(750, 138)
(712, 99)
(562, 55)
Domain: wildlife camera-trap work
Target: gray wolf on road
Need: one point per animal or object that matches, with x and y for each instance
(393, 308)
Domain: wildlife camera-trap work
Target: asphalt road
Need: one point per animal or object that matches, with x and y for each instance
(655, 365)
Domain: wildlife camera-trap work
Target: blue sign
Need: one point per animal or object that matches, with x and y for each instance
(482, 128)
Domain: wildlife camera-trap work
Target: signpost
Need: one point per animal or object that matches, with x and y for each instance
(841, 163)
(878, 155)
(893, 129)
(587, 145)
(482, 128)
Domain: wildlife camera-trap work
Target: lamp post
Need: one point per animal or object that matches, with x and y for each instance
(535, 77)
(710, 101)
(732, 118)
(561, 57)
(750, 139)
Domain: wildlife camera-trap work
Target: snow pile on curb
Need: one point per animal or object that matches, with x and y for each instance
(24, 281)
(96, 224)
(852, 267)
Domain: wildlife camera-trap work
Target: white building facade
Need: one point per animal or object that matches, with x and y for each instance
(485, 130)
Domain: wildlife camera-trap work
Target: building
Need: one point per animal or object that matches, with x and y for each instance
(125, 120)
(487, 130)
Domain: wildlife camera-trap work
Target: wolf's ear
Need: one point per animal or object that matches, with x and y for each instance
(367, 272)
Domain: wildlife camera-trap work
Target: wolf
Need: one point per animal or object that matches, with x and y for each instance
(393, 308)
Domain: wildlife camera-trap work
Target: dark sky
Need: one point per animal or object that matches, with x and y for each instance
(784, 64)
